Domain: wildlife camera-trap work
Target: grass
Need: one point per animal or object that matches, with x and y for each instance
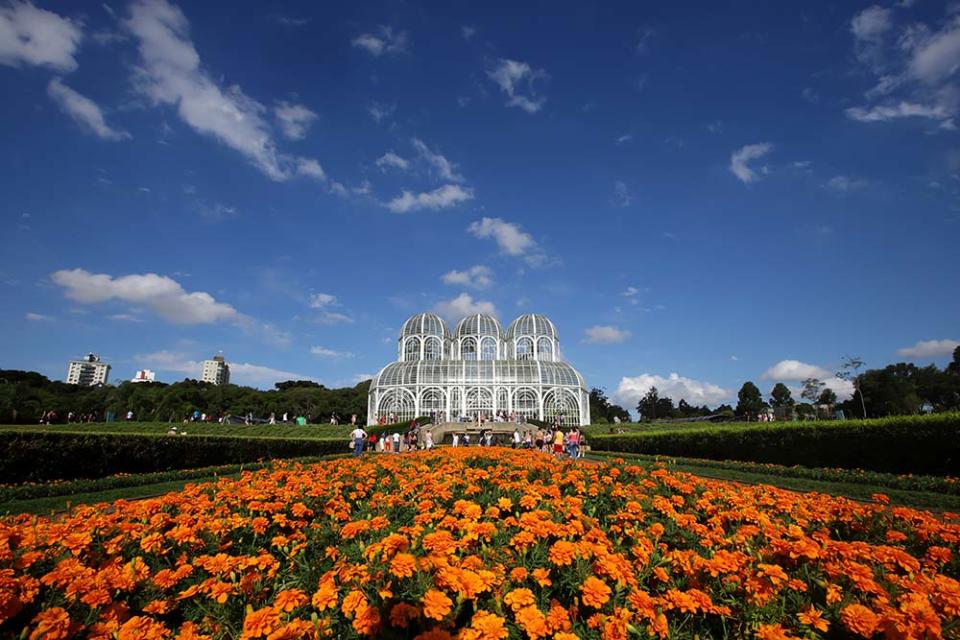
(292, 431)
(856, 491)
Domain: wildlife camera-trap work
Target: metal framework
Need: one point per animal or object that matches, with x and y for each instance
(480, 369)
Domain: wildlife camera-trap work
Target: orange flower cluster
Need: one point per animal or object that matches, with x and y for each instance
(480, 544)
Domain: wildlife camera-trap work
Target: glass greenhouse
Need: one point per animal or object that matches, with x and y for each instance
(479, 369)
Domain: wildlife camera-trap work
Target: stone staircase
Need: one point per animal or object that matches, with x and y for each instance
(502, 431)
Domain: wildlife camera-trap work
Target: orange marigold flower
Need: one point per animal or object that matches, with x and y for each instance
(367, 621)
(52, 624)
(518, 574)
(596, 593)
(433, 634)
(562, 553)
(436, 604)
(773, 632)
(142, 628)
(812, 617)
(487, 626)
(533, 622)
(860, 620)
(519, 598)
(403, 565)
(542, 576)
(189, 631)
(354, 601)
(402, 613)
(290, 599)
(260, 623)
(564, 635)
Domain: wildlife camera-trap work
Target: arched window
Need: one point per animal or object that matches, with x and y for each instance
(524, 349)
(396, 405)
(432, 401)
(479, 401)
(525, 403)
(468, 349)
(456, 404)
(411, 349)
(544, 349)
(433, 349)
(561, 403)
(488, 349)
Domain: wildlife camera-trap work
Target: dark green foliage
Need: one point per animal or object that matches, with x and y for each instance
(921, 444)
(602, 410)
(780, 396)
(749, 401)
(38, 456)
(25, 396)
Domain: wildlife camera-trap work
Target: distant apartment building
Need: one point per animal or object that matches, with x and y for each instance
(88, 371)
(216, 371)
(144, 375)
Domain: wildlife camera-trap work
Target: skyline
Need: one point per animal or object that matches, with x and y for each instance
(746, 196)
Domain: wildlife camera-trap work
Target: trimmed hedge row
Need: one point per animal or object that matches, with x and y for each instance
(29, 456)
(927, 445)
(53, 488)
(907, 482)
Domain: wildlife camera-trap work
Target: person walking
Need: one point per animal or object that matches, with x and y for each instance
(358, 436)
(428, 440)
(573, 443)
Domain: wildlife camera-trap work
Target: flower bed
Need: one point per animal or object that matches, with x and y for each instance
(481, 544)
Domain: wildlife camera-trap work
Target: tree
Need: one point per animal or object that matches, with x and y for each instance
(602, 410)
(749, 400)
(811, 391)
(780, 396)
(647, 407)
(827, 397)
(954, 366)
(848, 371)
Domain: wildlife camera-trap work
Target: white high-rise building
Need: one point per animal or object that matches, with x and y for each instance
(144, 375)
(88, 372)
(216, 370)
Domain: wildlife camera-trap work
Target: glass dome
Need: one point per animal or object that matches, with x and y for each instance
(479, 324)
(532, 324)
(425, 324)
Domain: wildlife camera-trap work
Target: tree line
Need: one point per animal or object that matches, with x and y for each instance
(25, 396)
(897, 389)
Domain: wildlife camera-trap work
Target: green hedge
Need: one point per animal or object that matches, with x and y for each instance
(52, 488)
(907, 482)
(918, 444)
(38, 456)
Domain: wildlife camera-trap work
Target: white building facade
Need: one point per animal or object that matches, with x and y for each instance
(144, 375)
(479, 369)
(215, 371)
(88, 371)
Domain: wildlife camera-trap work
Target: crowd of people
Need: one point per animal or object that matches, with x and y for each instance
(570, 444)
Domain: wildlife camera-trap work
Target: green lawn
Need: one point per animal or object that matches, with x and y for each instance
(315, 431)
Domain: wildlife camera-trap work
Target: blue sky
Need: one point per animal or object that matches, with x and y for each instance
(696, 194)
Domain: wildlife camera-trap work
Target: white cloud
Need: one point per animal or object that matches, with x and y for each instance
(390, 159)
(83, 110)
(621, 194)
(294, 119)
(324, 352)
(321, 300)
(449, 195)
(605, 334)
(476, 277)
(927, 349)
(463, 305)
(676, 387)
(937, 58)
(631, 292)
(507, 235)
(385, 40)
(38, 317)
(332, 317)
(37, 37)
(644, 34)
(380, 112)
(443, 168)
(125, 317)
(243, 373)
(516, 79)
(170, 73)
(903, 109)
(845, 184)
(871, 23)
(624, 138)
(467, 32)
(363, 377)
(310, 168)
(162, 294)
(740, 158)
(795, 370)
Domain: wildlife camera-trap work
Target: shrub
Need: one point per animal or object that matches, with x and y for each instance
(32, 456)
(917, 444)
